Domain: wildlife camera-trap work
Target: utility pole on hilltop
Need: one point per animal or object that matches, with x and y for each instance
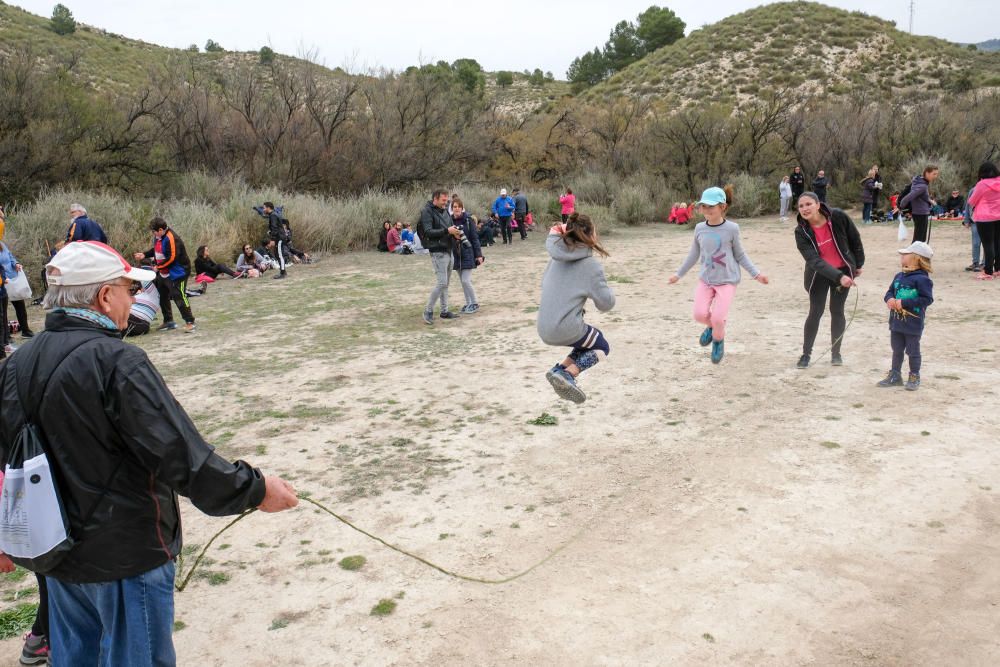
(913, 10)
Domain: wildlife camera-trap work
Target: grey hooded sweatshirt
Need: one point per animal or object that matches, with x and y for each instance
(572, 276)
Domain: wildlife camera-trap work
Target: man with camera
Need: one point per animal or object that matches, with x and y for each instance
(437, 233)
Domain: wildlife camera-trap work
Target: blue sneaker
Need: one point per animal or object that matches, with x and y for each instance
(565, 385)
(718, 349)
(167, 326)
(706, 337)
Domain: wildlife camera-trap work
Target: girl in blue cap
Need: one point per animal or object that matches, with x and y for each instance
(717, 244)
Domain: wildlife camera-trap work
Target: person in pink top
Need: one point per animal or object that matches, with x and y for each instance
(568, 202)
(985, 203)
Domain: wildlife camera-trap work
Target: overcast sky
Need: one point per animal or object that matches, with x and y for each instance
(507, 34)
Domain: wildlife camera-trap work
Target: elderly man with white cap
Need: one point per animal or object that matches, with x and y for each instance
(122, 449)
(503, 208)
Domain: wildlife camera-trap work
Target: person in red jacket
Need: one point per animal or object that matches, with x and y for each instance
(683, 215)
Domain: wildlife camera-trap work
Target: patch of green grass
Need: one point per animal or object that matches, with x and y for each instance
(829, 444)
(925, 433)
(17, 575)
(17, 620)
(625, 280)
(708, 637)
(278, 624)
(544, 419)
(352, 562)
(935, 524)
(179, 625)
(384, 607)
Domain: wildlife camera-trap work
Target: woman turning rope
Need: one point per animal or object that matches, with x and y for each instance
(831, 246)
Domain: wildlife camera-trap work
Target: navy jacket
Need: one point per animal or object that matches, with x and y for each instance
(798, 182)
(465, 256)
(916, 290)
(85, 229)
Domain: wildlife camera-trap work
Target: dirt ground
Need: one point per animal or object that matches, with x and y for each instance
(747, 513)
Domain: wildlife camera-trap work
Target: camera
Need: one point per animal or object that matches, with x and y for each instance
(463, 238)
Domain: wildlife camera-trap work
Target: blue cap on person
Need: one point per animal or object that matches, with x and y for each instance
(713, 196)
(917, 248)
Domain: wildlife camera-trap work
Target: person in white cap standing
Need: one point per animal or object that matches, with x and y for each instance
(122, 449)
(907, 299)
(503, 208)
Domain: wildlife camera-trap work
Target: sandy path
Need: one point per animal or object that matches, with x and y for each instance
(718, 527)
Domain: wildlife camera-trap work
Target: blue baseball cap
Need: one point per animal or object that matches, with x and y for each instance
(713, 196)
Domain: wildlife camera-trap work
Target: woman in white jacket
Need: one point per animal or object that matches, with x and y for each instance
(785, 192)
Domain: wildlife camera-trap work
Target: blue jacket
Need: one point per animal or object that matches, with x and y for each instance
(503, 207)
(916, 290)
(967, 220)
(919, 197)
(85, 229)
(8, 263)
(465, 256)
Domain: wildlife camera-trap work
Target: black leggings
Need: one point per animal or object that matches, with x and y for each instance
(21, 310)
(41, 625)
(990, 236)
(817, 303)
(921, 228)
(175, 290)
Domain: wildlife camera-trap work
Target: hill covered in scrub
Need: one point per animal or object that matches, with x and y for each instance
(803, 45)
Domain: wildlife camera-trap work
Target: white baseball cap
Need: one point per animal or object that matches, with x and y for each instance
(91, 263)
(503, 191)
(917, 248)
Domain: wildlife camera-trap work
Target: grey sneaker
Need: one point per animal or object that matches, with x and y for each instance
(35, 650)
(471, 308)
(836, 360)
(167, 326)
(912, 382)
(803, 361)
(448, 315)
(893, 379)
(565, 385)
(429, 317)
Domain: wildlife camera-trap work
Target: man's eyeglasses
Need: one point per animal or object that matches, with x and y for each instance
(133, 287)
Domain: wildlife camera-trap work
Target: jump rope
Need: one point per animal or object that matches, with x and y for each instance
(420, 559)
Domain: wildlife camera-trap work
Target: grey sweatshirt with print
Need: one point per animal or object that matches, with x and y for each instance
(721, 254)
(572, 276)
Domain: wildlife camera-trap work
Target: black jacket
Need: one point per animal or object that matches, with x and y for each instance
(433, 228)
(465, 255)
(845, 236)
(108, 415)
(276, 228)
(798, 183)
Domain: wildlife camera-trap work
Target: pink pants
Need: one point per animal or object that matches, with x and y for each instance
(711, 306)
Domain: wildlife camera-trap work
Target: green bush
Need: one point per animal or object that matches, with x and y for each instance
(634, 205)
(752, 195)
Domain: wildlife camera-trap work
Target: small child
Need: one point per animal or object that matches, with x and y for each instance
(573, 276)
(907, 298)
(683, 215)
(717, 244)
(673, 212)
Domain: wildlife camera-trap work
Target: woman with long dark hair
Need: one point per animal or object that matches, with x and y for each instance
(919, 201)
(831, 245)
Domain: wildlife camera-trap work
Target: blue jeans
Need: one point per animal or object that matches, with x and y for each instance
(123, 622)
(866, 214)
(976, 243)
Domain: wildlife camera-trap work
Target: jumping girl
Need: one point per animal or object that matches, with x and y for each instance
(717, 244)
(573, 276)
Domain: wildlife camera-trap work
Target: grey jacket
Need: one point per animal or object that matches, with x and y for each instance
(719, 251)
(520, 204)
(919, 197)
(572, 276)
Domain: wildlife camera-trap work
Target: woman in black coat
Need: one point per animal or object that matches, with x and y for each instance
(383, 237)
(468, 253)
(831, 245)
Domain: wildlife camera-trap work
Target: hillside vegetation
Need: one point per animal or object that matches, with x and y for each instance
(802, 45)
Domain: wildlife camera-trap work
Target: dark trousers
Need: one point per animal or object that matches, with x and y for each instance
(505, 230)
(3, 323)
(921, 228)
(908, 343)
(817, 303)
(41, 625)
(21, 310)
(136, 326)
(176, 291)
(280, 252)
(221, 268)
(990, 237)
(522, 227)
(565, 218)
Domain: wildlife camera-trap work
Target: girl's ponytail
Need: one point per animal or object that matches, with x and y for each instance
(580, 229)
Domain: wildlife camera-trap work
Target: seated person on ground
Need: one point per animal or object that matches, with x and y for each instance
(406, 237)
(954, 207)
(251, 263)
(394, 239)
(145, 308)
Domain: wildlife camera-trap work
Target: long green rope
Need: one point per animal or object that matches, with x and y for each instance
(479, 580)
(850, 321)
